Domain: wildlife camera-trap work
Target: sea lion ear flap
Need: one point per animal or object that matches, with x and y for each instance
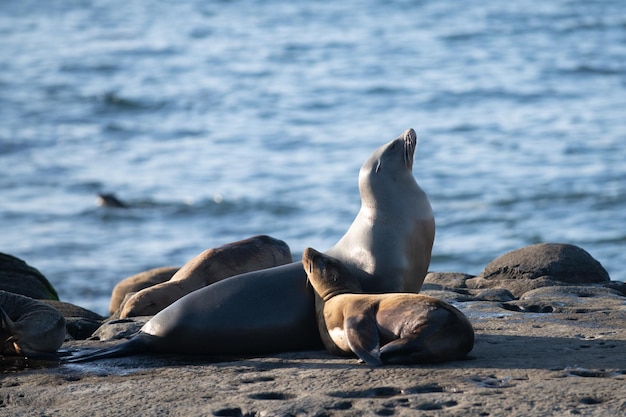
(362, 334)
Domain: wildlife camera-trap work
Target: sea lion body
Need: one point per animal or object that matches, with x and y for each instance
(273, 310)
(392, 236)
(211, 266)
(138, 282)
(383, 328)
(29, 328)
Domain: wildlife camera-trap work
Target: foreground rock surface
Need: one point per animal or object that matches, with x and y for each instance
(523, 363)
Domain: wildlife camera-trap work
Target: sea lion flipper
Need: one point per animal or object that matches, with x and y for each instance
(405, 350)
(419, 349)
(362, 334)
(6, 322)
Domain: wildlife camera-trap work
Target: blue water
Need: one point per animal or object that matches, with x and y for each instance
(216, 121)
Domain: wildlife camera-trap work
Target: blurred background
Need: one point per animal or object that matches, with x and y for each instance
(218, 120)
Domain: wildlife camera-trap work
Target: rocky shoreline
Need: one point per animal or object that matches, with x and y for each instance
(550, 340)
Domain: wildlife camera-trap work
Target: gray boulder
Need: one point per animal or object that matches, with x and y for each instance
(540, 265)
(17, 277)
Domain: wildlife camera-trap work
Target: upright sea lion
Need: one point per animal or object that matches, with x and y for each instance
(387, 248)
(29, 327)
(392, 236)
(212, 265)
(383, 328)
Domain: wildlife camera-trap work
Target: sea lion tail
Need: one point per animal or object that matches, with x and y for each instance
(137, 344)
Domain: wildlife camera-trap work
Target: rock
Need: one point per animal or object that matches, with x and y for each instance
(572, 292)
(17, 277)
(138, 282)
(461, 295)
(120, 328)
(448, 296)
(493, 294)
(520, 363)
(540, 265)
(447, 279)
(517, 287)
(80, 322)
(616, 285)
(569, 299)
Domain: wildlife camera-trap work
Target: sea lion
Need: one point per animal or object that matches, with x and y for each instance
(273, 310)
(138, 282)
(383, 328)
(29, 328)
(110, 200)
(212, 265)
(392, 236)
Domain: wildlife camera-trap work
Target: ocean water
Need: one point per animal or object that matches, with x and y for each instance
(219, 120)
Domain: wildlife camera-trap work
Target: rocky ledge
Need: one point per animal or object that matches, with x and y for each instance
(549, 341)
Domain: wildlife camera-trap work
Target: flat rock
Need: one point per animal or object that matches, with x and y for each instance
(520, 364)
(120, 328)
(517, 287)
(569, 299)
(447, 279)
(79, 321)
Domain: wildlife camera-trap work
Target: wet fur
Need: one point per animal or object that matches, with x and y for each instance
(29, 327)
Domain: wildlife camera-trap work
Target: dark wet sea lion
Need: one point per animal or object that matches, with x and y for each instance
(387, 248)
(29, 327)
(110, 200)
(383, 328)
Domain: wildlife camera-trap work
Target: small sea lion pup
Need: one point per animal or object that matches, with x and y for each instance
(383, 328)
(29, 327)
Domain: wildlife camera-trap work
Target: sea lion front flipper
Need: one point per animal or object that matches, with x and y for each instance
(362, 334)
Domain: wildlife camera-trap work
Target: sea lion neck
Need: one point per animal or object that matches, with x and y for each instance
(328, 276)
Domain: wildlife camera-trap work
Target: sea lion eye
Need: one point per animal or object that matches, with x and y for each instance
(378, 166)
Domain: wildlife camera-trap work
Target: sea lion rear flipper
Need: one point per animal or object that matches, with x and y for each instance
(418, 349)
(35, 354)
(5, 322)
(405, 350)
(362, 334)
(137, 344)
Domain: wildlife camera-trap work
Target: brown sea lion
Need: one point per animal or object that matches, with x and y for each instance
(383, 328)
(138, 282)
(212, 265)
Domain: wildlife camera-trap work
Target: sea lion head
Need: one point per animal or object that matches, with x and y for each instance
(328, 275)
(389, 164)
